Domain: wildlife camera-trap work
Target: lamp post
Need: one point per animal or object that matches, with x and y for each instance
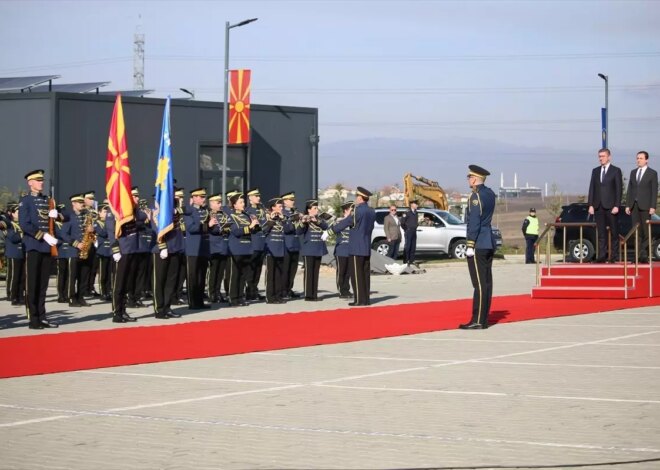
(225, 108)
(191, 93)
(606, 116)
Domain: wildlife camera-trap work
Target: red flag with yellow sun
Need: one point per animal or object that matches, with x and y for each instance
(239, 106)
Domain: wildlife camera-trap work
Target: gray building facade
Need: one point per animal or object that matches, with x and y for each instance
(66, 134)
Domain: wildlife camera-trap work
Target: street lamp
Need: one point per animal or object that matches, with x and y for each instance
(191, 93)
(225, 108)
(606, 114)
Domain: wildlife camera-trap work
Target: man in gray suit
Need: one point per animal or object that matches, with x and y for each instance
(393, 232)
(642, 199)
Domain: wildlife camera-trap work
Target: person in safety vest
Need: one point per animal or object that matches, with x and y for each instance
(530, 229)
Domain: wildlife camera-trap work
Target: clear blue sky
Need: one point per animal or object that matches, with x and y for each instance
(517, 72)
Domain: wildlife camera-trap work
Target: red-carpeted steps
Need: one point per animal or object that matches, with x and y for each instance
(59, 352)
(598, 281)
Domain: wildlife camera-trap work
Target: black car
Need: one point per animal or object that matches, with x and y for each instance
(579, 212)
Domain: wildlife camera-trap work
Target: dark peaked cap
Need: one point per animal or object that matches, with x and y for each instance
(363, 192)
(476, 170)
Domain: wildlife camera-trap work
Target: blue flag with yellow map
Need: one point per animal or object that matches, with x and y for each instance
(164, 179)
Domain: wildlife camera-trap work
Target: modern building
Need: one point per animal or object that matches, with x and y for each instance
(66, 134)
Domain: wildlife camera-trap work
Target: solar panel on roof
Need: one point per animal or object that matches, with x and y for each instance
(70, 87)
(22, 83)
(129, 93)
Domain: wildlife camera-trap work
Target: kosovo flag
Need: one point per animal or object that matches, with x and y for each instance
(164, 179)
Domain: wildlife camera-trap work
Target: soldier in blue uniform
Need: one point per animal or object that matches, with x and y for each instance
(312, 248)
(73, 231)
(104, 254)
(240, 247)
(15, 257)
(89, 266)
(342, 257)
(256, 209)
(33, 218)
(359, 246)
(480, 246)
(181, 275)
(138, 277)
(274, 247)
(196, 218)
(62, 258)
(219, 249)
(291, 243)
(124, 249)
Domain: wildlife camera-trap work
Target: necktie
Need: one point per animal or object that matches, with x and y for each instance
(639, 175)
(602, 173)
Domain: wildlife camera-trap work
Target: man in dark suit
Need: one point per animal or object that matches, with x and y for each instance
(604, 200)
(409, 225)
(642, 199)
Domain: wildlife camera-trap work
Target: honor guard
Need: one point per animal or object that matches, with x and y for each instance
(179, 196)
(15, 257)
(219, 248)
(137, 280)
(342, 257)
(291, 243)
(33, 218)
(62, 259)
(103, 254)
(240, 247)
(75, 234)
(165, 264)
(124, 249)
(274, 248)
(480, 246)
(256, 209)
(196, 217)
(359, 246)
(312, 248)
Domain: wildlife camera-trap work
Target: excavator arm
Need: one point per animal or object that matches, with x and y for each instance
(418, 187)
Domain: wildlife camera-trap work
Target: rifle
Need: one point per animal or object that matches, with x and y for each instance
(51, 221)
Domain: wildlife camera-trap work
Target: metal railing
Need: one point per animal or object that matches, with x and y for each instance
(624, 243)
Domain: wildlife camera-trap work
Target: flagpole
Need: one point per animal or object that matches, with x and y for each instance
(225, 106)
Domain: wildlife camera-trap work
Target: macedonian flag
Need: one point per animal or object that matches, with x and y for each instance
(239, 106)
(117, 171)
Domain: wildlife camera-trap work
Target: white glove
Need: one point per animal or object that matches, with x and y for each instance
(51, 240)
(116, 257)
(52, 213)
(324, 236)
(469, 252)
(163, 253)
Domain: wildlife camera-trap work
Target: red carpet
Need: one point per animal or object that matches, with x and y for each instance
(60, 352)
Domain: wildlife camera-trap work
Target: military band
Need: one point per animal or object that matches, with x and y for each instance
(217, 252)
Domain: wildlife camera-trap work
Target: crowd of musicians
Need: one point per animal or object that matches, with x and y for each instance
(217, 250)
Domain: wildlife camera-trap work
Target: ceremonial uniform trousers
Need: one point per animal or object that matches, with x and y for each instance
(15, 263)
(292, 253)
(127, 246)
(274, 248)
(240, 247)
(62, 264)
(165, 270)
(342, 258)
(481, 206)
(33, 220)
(139, 279)
(104, 257)
(197, 253)
(72, 234)
(313, 249)
(258, 240)
(219, 248)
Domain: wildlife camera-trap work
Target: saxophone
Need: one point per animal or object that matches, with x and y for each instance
(89, 237)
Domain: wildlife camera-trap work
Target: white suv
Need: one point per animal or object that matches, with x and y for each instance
(438, 232)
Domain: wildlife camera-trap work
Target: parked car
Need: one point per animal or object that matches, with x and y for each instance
(579, 212)
(438, 232)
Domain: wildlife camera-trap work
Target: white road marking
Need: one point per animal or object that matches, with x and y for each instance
(553, 364)
(377, 358)
(179, 377)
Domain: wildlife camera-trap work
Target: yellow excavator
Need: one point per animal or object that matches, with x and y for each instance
(424, 189)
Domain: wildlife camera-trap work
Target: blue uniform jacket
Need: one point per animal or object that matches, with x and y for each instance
(481, 206)
(127, 243)
(33, 220)
(146, 236)
(312, 245)
(72, 234)
(291, 232)
(102, 242)
(359, 244)
(258, 238)
(63, 248)
(172, 240)
(342, 236)
(14, 241)
(219, 236)
(274, 233)
(197, 231)
(240, 235)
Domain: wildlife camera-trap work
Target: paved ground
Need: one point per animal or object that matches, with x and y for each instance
(564, 391)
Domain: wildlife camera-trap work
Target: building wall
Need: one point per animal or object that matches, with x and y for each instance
(280, 152)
